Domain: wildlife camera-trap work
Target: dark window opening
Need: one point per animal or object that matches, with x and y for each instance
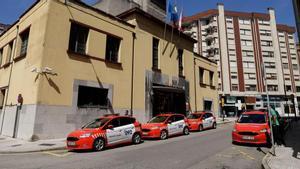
(1, 56)
(2, 96)
(211, 78)
(112, 49)
(160, 3)
(78, 38)
(207, 105)
(180, 62)
(91, 97)
(24, 42)
(10, 52)
(155, 53)
(201, 74)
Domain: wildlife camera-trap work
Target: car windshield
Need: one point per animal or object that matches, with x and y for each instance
(194, 116)
(252, 118)
(158, 119)
(96, 123)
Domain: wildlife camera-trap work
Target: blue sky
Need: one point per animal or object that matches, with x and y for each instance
(11, 9)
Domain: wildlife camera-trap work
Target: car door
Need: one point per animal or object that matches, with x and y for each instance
(114, 135)
(127, 128)
(179, 123)
(205, 121)
(171, 126)
(210, 119)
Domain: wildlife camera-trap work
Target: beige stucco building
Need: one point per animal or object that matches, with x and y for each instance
(66, 63)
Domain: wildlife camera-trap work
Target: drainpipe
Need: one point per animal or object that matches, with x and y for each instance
(9, 79)
(195, 87)
(132, 73)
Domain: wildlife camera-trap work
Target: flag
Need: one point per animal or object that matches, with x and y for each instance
(172, 12)
(180, 21)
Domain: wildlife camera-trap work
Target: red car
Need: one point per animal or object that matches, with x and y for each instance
(201, 120)
(165, 125)
(252, 127)
(105, 131)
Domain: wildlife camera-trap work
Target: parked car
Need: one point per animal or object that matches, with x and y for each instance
(104, 132)
(165, 125)
(199, 121)
(252, 127)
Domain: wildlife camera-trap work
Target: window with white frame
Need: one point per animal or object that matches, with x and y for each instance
(247, 53)
(234, 75)
(268, 54)
(245, 32)
(270, 65)
(234, 87)
(250, 76)
(265, 32)
(244, 21)
(264, 22)
(248, 64)
(233, 63)
(249, 87)
(266, 43)
(271, 76)
(246, 42)
(230, 31)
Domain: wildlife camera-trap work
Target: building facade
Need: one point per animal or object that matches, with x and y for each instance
(3, 27)
(244, 45)
(296, 4)
(156, 8)
(54, 79)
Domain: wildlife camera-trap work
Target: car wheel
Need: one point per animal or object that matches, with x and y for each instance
(200, 127)
(186, 131)
(99, 144)
(163, 135)
(214, 125)
(136, 138)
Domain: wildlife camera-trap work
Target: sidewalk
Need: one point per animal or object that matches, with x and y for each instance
(10, 145)
(287, 157)
(226, 120)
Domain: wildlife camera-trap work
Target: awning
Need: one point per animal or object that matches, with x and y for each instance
(168, 89)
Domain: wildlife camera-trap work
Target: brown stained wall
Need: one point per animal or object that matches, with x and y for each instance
(239, 56)
(259, 59)
(290, 61)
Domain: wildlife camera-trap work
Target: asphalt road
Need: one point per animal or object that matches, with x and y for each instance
(211, 149)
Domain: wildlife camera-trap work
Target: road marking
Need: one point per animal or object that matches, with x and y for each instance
(244, 154)
(57, 153)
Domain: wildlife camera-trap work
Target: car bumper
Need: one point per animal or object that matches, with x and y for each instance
(81, 144)
(258, 139)
(151, 134)
(194, 127)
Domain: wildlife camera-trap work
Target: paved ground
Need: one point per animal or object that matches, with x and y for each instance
(210, 149)
(287, 156)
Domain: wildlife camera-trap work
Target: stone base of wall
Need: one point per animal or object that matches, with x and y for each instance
(48, 122)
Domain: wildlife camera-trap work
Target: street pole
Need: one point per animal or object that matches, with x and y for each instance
(269, 108)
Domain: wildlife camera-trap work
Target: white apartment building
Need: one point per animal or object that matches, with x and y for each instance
(241, 43)
(156, 8)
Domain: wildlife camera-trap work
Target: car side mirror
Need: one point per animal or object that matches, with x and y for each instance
(111, 127)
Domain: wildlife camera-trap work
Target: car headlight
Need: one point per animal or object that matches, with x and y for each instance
(85, 135)
(263, 130)
(234, 130)
(154, 128)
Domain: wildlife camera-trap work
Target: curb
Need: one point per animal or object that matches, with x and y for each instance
(32, 151)
(265, 161)
(225, 122)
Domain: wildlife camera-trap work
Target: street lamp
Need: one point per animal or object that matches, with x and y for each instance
(269, 107)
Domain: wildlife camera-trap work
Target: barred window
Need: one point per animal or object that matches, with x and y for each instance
(78, 38)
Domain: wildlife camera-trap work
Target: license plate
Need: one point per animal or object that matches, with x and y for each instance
(71, 143)
(144, 133)
(248, 137)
